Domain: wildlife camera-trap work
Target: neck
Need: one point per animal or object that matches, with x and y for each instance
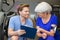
(46, 19)
(22, 20)
(47, 16)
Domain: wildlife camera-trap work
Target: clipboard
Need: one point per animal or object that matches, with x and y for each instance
(30, 32)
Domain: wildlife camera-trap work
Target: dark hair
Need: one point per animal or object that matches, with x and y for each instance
(20, 7)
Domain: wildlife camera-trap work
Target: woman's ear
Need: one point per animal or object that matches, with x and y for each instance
(19, 12)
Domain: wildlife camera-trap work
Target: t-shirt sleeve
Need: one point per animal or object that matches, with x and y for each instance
(37, 22)
(31, 23)
(11, 23)
(54, 21)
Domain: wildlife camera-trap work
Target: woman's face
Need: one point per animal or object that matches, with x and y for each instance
(25, 12)
(42, 15)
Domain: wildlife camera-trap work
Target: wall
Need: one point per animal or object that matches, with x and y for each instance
(32, 4)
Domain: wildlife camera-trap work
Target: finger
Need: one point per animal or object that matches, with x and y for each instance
(22, 30)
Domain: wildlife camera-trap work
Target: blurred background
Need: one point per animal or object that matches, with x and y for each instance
(8, 9)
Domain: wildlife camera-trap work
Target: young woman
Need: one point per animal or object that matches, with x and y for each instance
(14, 29)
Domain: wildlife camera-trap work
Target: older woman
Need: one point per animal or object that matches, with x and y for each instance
(46, 22)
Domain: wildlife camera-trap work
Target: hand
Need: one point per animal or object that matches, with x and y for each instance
(38, 29)
(14, 38)
(44, 35)
(21, 32)
(41, 29)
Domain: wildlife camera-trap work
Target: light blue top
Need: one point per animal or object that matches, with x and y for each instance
(15, 24)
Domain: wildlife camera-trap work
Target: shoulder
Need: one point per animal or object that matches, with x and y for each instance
(14, 17)
(54, 16)
(38, 19)
(29, 20)
(54, 19)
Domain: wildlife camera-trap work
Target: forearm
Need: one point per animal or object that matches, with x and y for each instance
(13, 33)
(39, 34)
(14, 38)
(47, 32)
